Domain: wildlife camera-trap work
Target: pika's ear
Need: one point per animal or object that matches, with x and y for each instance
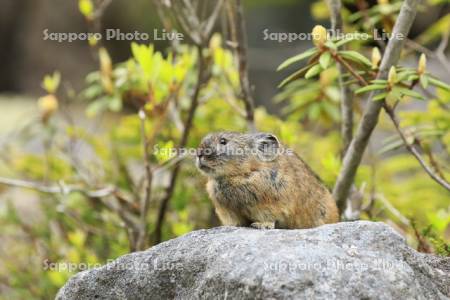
(267, 142)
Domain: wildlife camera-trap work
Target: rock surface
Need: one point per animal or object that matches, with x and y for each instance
(352, 260)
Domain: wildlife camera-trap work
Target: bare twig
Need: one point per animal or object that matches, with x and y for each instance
(190, 14)
(346, 95)
(189, 24)
(185, 13)
(432, 159)
(373, 187)
(201, 80)
(422, 244)
(208, 25)
(239, 39)
(354, 154)
(199, 32)
(414, 151)
(95, 23)
(101, 7)
(174, 114)
(123, 169)
(60, 188)
(130, 221)
(170, 163)
(440, 51)
(419, 48)
(124, 208)
(444, 42)
(388, 205)
(354, 205)
(349, 68)
(230, 98)
(145, 200)
(439, 54)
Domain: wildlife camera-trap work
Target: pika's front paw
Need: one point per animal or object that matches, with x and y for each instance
(263, 225)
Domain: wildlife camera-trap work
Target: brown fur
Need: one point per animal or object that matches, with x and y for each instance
(246, 190)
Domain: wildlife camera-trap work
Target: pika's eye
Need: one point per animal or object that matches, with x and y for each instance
(223, 141)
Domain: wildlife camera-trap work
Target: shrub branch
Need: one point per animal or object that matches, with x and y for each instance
(239, 41)
(413, 150)
(346, 95)
(353, 156)
(201, 80)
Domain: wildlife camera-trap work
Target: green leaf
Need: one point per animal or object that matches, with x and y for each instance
(86, 7)
(408, 92)
(144, 56)
(356, 57)
(51, 82)
(379, 81)
(93, 77)
(157, 62)
(413, 77)
(344, 41)
(405, 74)
(325, 59)
(369, 88)
(181, 228)
(316, 69)
(115, 104)
(424, 81)
(380, 96)
(77, 238)
(92, 91)
(59, 277)
(391, 146)
(333, 93)
(296, 75)
(331, 110)
(97, 106)
(354, 17)
(314, 111)
(313, 59)
(348, 82)
(393, 95)
(164, 152)
(438, 83)
(296, 58)
(331, 45)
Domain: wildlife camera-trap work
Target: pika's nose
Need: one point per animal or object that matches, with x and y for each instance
(199, 153)
(204, 153)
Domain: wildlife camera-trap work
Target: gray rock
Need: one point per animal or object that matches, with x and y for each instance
(352, 260)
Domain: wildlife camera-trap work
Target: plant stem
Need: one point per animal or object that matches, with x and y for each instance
(145, 200)
(353, 156)
(414, 151)
(346, 95)
(201, 79)
(60, 188)
(349, 68)
(439, 178)
(239, 36)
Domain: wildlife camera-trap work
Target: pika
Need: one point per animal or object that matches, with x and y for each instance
(253, 180)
